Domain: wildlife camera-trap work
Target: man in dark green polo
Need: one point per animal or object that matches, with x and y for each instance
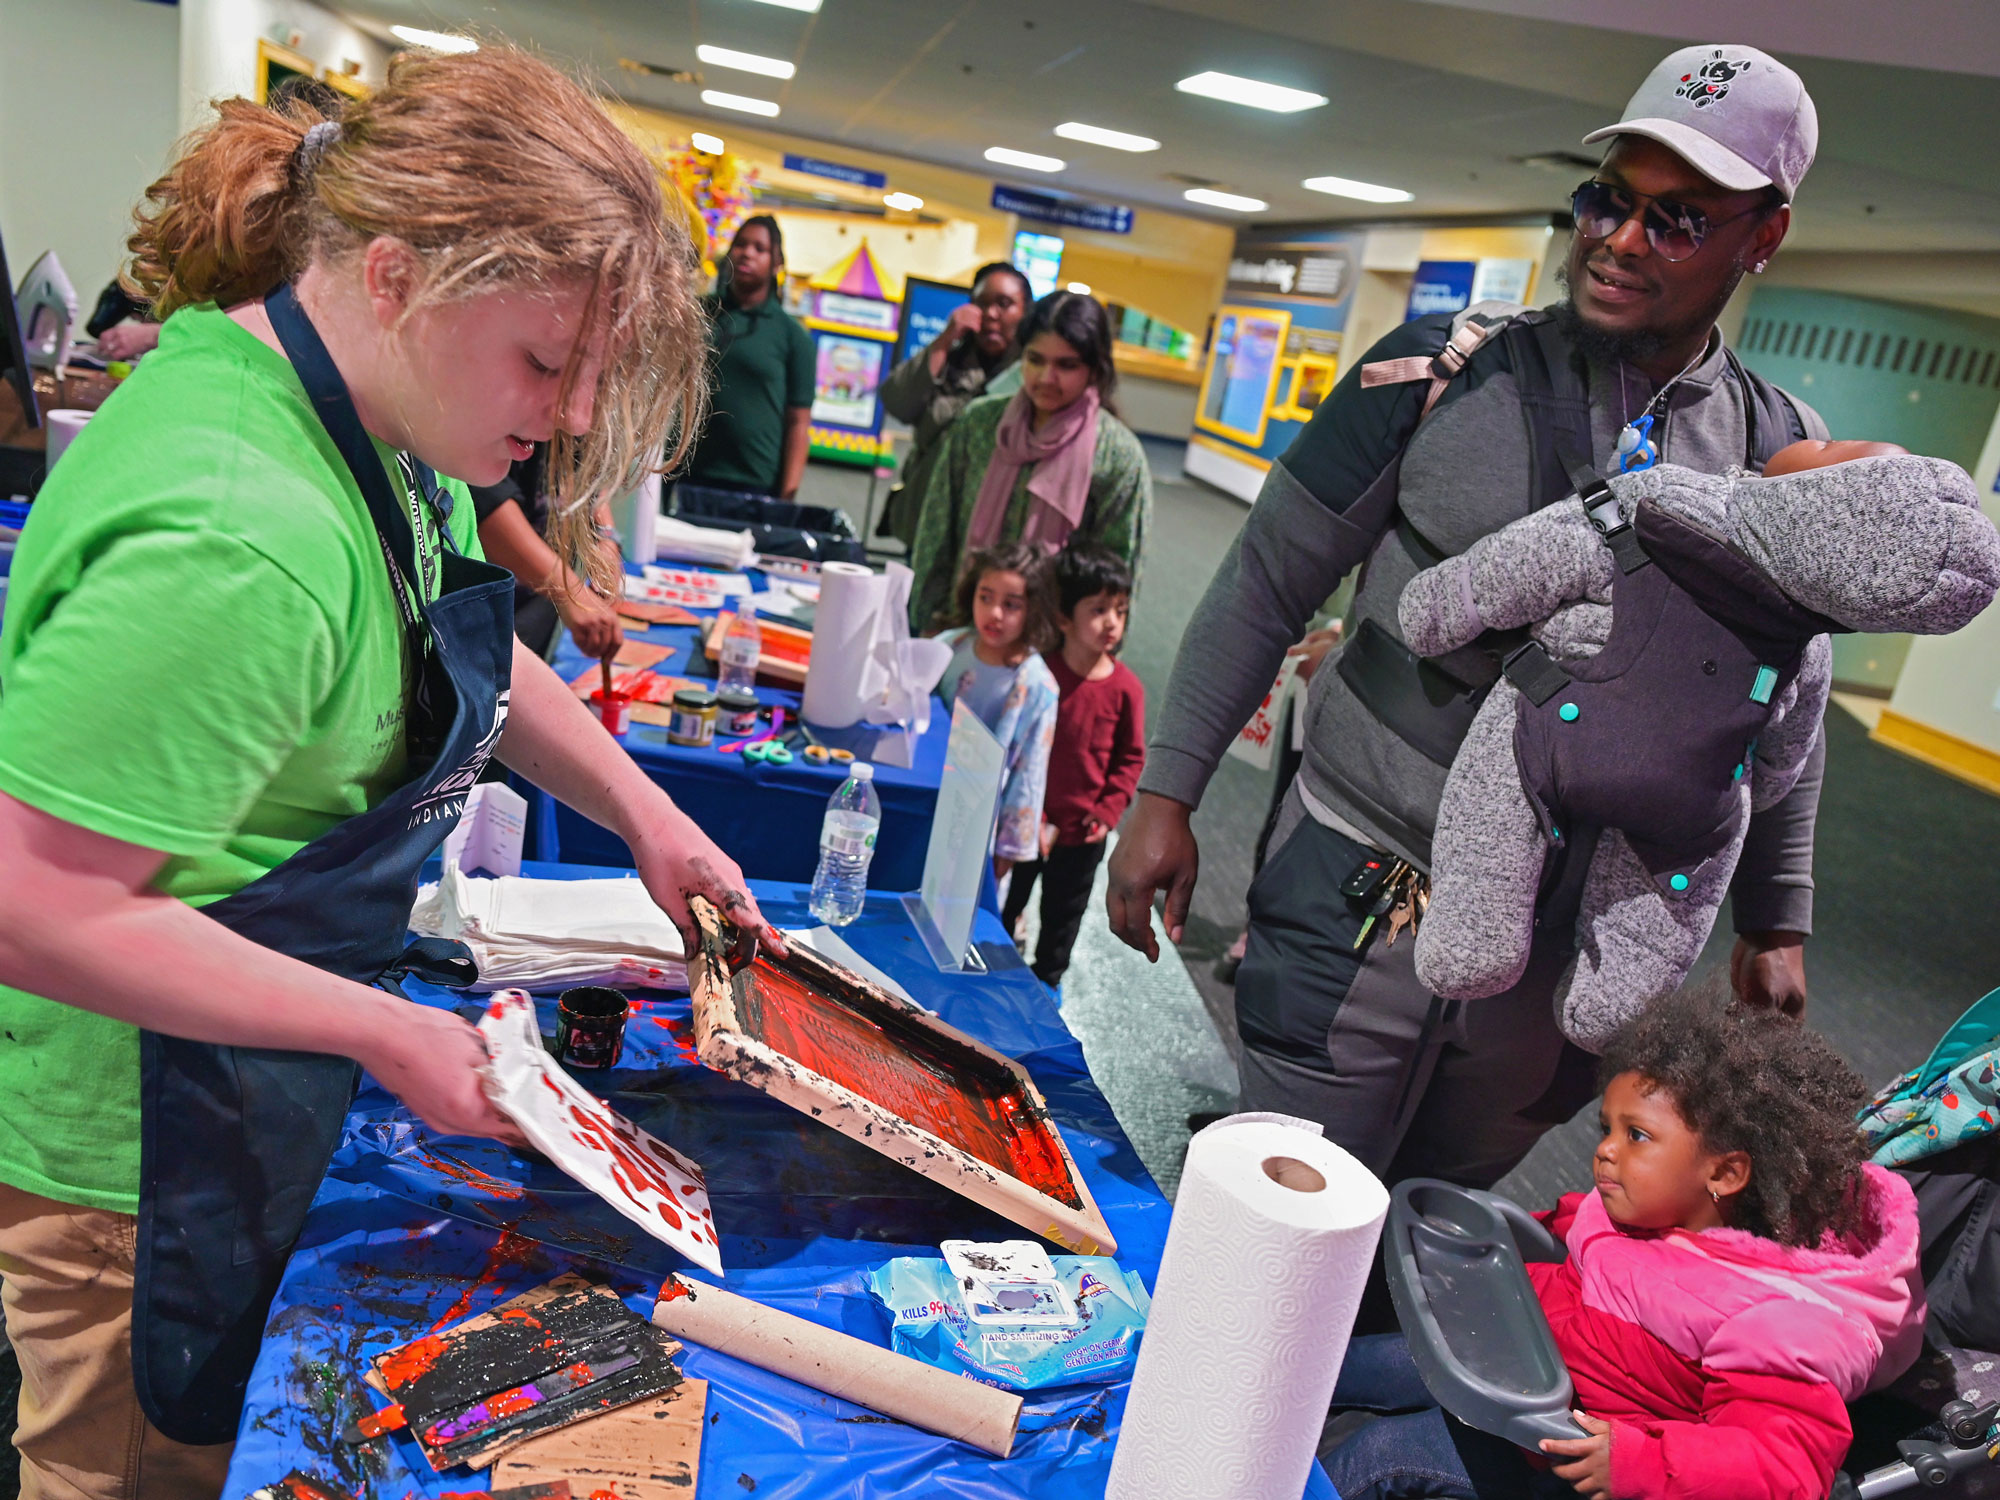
(756, 434)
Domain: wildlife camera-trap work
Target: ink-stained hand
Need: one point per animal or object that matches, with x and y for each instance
(435, 1063)
(1768, 972)
(1589, 1469)
(1157, 853)
(677, 860)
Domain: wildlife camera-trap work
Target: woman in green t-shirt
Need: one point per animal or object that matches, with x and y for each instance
(241, 674)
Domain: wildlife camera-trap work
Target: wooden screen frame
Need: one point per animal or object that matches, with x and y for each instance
(723, 1045)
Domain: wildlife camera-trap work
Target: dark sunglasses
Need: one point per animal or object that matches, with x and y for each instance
(1674, 230)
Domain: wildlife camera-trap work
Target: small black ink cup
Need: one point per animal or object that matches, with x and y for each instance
(590, 1027)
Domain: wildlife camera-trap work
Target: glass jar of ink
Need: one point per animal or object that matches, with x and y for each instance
(694, 718)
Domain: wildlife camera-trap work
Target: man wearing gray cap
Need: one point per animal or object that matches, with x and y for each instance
(1447, 430)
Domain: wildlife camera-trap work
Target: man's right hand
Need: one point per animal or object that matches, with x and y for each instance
(1157, 852)
(592, 619)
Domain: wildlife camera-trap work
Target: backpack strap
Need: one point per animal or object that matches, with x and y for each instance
(1473, 328)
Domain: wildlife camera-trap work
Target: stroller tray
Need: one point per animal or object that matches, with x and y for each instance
(1455, 1265)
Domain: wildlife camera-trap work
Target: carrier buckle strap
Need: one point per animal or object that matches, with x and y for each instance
(1534, 673)
(1439, 370)
(1602, 507)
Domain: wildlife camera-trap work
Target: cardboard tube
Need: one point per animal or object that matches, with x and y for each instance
(865, 1374)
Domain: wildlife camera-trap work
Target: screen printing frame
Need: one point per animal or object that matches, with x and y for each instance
(724, 1044)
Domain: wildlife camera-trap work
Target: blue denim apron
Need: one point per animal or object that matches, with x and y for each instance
(234, 1140)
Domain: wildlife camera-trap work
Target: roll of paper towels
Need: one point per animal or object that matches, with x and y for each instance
(850, 597)
(64, 425)
(1273, 1233)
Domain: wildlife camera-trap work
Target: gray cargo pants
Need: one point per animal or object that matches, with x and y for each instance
(1412, 1085)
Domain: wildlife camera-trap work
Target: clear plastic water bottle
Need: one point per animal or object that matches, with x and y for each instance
(846, 844)
(742, 645)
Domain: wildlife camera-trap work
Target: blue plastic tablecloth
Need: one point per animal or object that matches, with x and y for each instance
(764, 817)
(409, 1232)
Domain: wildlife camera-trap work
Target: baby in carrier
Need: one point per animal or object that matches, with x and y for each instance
(1673, 681)
(1737, 1277)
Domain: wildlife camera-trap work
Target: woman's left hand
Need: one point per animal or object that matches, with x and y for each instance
(677, 860)
(1589, 1469)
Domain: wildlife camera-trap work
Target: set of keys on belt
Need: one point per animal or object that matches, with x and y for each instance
(1385, 885)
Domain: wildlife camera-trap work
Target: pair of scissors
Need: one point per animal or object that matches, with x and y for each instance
(821, 754)
(767, 752)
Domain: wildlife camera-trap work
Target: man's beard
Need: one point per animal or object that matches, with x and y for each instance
(1641, 345)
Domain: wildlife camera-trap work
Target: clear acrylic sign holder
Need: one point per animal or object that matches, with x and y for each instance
(943, 908)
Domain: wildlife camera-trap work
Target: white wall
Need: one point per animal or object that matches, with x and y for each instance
(218, 46)
(88, 116)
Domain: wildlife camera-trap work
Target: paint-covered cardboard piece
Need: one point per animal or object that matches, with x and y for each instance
(558, 1354)
(891, 1075)
(650, 1450)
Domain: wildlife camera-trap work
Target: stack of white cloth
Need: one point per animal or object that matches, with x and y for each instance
(680, 541)
(553, 934)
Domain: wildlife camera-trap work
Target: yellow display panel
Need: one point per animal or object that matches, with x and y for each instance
(1241, 376)
(1312, 383)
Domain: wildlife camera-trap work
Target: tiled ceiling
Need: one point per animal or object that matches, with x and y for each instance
(1445, 100)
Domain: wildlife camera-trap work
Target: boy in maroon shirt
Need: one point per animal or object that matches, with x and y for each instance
(1100, 746)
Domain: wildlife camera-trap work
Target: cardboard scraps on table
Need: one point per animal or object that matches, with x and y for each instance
(549, 1489)
(633, 653)
(555, 1355)
(650, 1450)
(659, 715)
(649, 612)
(642, 1177)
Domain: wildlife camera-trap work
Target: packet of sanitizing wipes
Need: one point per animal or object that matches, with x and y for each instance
(1097, 1338)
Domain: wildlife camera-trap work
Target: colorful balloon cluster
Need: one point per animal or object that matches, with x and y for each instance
(717, 192)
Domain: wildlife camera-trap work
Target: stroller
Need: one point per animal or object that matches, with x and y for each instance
(1455, 1264)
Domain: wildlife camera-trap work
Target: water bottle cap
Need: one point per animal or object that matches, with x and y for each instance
(861, 771)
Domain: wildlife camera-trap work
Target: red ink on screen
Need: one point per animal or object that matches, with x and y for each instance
(947, 1089)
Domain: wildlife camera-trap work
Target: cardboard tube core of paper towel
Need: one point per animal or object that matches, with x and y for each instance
(865, 1374)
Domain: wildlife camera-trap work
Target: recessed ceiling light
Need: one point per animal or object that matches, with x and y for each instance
(1258, 95)
(436, 41)
(701, 140)
(806, 5)
(1026, 159)
(1117, 140)
(1081, 288)
(1347, 187)
(907, 203)
(743, 102)
(745, 62)
(1215, 199)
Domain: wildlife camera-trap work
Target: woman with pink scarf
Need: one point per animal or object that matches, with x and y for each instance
(1049, 462)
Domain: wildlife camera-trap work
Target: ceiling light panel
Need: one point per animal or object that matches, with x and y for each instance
(804, 5)
(1027, 159)
(701, 140)
(1253, 92)
(719, 100)
(436, 41)
(745, 62)
(1347, 187)
(1236, 202)
(1097, 135)
(907, 203)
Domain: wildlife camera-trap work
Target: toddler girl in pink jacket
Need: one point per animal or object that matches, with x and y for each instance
(1738, 1276)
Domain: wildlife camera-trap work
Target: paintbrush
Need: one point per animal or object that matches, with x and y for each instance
(604, 667)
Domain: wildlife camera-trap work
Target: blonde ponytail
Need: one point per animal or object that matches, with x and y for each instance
(497, 170)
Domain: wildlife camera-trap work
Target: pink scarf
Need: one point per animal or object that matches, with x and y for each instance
(1063, 452)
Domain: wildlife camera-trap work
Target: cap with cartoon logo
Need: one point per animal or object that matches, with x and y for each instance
(1738, 116)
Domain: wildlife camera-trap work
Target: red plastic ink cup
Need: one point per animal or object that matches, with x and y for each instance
(615, 709)
(590, 1027)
